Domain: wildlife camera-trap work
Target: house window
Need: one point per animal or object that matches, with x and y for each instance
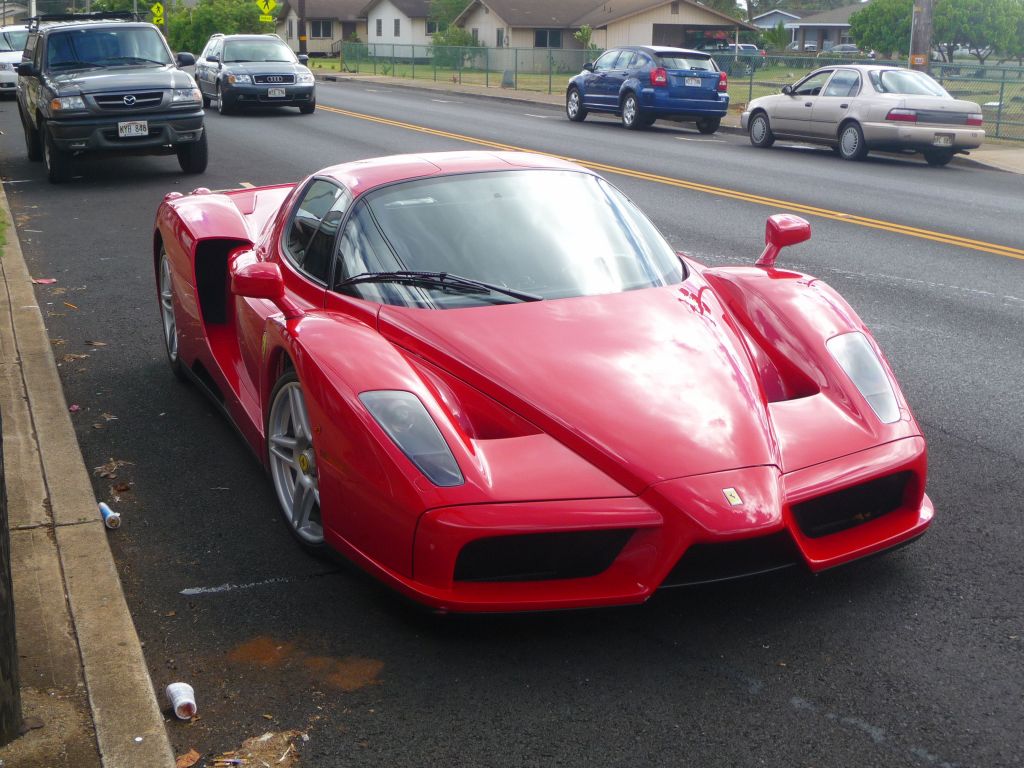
(433, 27)
(291, 29)
(321, 28)
(674, 9)
(500, 37)
(380, 27)
(476, 36)
(398, 27)
(547, 38)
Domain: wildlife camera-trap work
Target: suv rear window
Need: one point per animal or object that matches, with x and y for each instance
(680, 60)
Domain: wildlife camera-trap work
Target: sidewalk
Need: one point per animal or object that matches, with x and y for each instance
(995, 154)
(82, 672)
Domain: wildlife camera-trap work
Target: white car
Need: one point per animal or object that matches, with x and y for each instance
(12, 43)
(859, 107)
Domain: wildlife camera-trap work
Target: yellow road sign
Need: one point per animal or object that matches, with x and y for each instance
(266, 18)
(158, 20)
(157, 9)
(266, 6)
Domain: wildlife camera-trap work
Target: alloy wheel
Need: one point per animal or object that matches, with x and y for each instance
(293, 462)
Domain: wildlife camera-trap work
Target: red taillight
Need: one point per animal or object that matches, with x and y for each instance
(659, 77)
(975, 119)
(723, 82)
(902, 116)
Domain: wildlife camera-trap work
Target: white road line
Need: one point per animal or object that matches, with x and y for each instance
(246, 184)
(539, 117)
(447, 101)
(17, 181)
(229, 587)
(690, 138)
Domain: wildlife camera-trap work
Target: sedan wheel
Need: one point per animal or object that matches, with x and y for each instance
(574, 106)
(938, 157)
(760, 131)
(167, 316)
(631, 116)
(222, 108)
(293, 461)
(851, 142)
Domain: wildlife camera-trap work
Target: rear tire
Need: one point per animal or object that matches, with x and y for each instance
(708, 125)
(193, 156)
(632, 117)
(851, 142)
(760, 131)
(938, 157)
(56, 161)
(574, 105)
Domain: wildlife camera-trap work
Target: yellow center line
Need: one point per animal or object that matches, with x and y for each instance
(810, 210)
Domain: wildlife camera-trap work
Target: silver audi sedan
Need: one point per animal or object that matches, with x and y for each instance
(859, 107)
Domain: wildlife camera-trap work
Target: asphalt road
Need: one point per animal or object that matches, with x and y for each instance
(914, 658)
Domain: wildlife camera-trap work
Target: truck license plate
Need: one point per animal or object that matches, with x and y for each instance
(275, 93)
(133, 128)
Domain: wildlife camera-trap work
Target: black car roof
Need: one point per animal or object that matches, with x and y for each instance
(659, 50)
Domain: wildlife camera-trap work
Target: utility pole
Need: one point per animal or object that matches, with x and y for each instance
(302, 26)
(10, 688)
(921, 35)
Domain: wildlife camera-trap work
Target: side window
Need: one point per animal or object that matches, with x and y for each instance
(845, 82)
(30, 48)
(37, 56)
(623, 60)
(310, 236)
(644, 63)
(812, 85)
(606, 61)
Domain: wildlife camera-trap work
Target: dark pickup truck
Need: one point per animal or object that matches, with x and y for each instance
(102, 84)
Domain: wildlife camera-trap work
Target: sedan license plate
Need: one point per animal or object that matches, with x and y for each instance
(133, 128)
(943, 140)
(692, 82)
(275, 93)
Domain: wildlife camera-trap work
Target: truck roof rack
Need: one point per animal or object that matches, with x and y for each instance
(35, 21)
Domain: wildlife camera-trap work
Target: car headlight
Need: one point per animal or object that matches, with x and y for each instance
(233, 79)
(67, 103)
(857, 357)
(402, 416)
(305, 78)
(6, 67)
(183, 95)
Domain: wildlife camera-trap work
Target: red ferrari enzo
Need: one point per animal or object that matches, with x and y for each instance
(487, 379)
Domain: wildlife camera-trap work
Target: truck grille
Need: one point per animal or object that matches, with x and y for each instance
(130, 101)
(274, 79)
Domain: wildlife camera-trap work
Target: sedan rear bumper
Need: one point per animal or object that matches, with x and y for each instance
(909, 136)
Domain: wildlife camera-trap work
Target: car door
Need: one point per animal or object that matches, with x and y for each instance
(834, 103)
(595, 89)
(792, 115)
(617, 76)
(210, 67)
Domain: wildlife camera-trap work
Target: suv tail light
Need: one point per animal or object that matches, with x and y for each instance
(975, 119)
(902, 116)
(723, 82)
(659, 77)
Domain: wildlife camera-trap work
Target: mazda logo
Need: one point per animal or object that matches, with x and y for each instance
(129, 100)
(275, 79)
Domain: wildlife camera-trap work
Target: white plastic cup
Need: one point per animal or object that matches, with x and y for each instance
(183, 700)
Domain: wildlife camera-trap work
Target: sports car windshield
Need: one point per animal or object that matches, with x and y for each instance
(905, 82)
(106, 47)
(550, 234)
(257, 50)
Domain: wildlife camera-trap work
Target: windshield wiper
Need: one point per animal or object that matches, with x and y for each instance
(439, 279)
(77, 65)
(137, 60)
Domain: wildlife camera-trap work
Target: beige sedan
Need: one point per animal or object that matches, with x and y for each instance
(856, 108)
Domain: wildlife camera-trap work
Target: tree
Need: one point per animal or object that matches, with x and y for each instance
(188, 29)
(983, 26)
(776, 38)
(449, 44)
(583, 35)
(728, 7)
(883, 26)
(444, 12)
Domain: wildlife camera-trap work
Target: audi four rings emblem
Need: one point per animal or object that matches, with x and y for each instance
(275, 79)
(129, 100)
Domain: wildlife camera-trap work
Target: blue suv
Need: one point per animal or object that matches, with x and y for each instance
(643, 83)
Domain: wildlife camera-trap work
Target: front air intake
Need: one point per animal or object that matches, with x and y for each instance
(540, 556)
(851, 506)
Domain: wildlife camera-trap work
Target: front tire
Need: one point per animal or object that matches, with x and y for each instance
(938, 157)
(292, 461)
(574, 106)
(56, 161)
(206, 101)
(760, 131)
(222, 106)
(308, 109)
(170, 325)
(708, 125)
(632, 117)
(851, 142)
(33, 146)
(193, 156)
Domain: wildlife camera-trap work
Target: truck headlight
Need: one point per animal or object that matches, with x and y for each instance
(185, 95)
(67, 103)
(857, 357)
(407, 423)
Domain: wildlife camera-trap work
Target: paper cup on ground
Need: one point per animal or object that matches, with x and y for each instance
(183, 700)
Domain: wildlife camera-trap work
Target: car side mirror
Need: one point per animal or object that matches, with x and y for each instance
(185, 59)
(589, 66)
(781, 230)
(26, 69)
(787, 89)
(214, 58)
(261, 280)
(303, 58)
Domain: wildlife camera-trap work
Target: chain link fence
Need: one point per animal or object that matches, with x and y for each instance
(999, 89)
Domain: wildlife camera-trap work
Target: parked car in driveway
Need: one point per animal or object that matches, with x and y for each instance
(739, 60)
(841, 51)
(857, 108)
(642, 84)
(12, 43)
(239, 71)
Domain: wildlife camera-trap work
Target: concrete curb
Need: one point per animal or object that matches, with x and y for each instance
(52, 494)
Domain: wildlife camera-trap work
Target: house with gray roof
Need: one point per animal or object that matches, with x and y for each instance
(825, 29)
